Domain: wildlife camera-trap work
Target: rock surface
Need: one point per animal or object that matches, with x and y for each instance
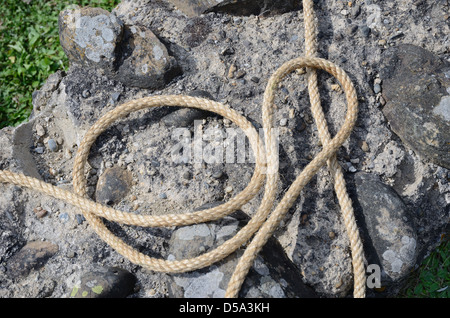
(416, 87)
(94, 37)
(392, 235)
(231, 55)
(145, 61)
(32, 256)
(113, 186)
(241, 7)
(90, 36)
(111, 282)
(273, 274)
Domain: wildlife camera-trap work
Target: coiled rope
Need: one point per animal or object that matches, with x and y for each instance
(263, 223)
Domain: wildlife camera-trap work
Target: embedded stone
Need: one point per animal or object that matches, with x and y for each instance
(237, 7)
(113, 185)
(94, 37)
(390, 237)
(32, 256)
(144, 60)
(109, 282)
(184, 117)
(272, 275)
(416, 88)
(89, 36)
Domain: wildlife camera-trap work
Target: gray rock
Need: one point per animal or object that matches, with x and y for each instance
(39, 150)
(110, 282)
(89, 36)
(240, 7)
(144, 61)
(32, 256)
(113, 185)
(272, 275)
(416, 87)
(11, 216)
(96, 38)
(376, 88)
(52, 145)
(365, 30)
(41, 96)
(64, 217)
(184, 117)
(390, 237)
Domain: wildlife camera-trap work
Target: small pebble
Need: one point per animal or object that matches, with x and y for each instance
(228, 51)
(255, 79)
(240, 73)
(80, 218)
(217, 175)
(39, 150)
(115, 96)
(365, 30)
(365, 146)
(86, 93)
(228, 189)
(40, 131)
(283, 122)
(187, 175)
(163, 195)
(52, 145)
(376, 88)
(155, 163)
(331, 235)
(232, 70)
(64, 217)
(40, 212)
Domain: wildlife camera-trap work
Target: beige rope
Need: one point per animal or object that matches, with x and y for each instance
(266, 167)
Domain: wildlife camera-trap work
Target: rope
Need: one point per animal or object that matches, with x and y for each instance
(263, 223)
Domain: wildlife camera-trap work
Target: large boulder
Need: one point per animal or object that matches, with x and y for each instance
(391, 237)
(416, 87)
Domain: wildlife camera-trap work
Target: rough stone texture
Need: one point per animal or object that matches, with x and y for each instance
(32, 256)
(231, 57)
(144, 60)
(94, 37)
(110, 282)
(272, 275)
(241, 7)
(391, 238)
(90, 36)
(185, 117)
(113, 185)
(416, 87)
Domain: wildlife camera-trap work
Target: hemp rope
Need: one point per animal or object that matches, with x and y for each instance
(266, 167)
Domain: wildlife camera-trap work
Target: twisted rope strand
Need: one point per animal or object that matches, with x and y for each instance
(333, 166)
(263, 223)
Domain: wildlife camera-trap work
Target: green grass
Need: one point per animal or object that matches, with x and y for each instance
(432, 279)
(30, 51)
